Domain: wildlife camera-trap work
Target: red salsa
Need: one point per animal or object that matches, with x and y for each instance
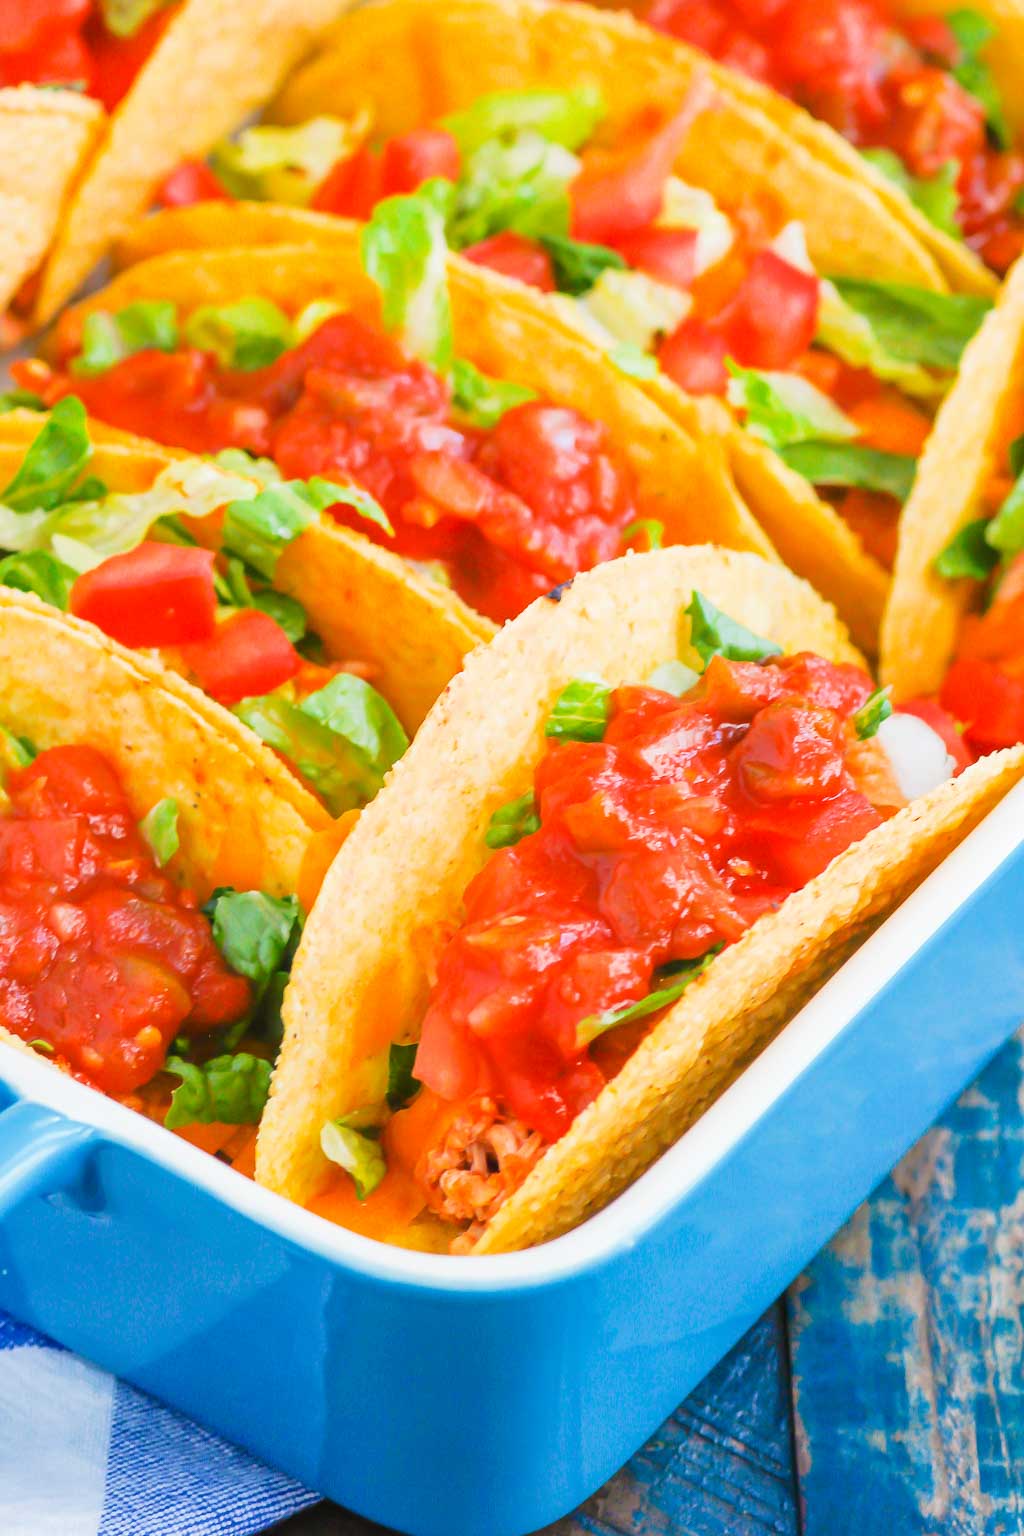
(68, 42)
(651, 849)
(508, 512)
(104, 960)
(885, 80)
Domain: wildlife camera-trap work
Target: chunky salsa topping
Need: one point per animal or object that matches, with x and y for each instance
(984, 688)
(112, 970)
(130, 564)
(95, 46)
(658, 828)
(914, 91)
(508, 494)
(840, 377)
(102, 957)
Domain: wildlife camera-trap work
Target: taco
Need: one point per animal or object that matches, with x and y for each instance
(634, 835)
(45, 137)
(241, 584)
(954, 626)
(149, 860)
(928, 93)
(145, 82)
(737, 299)
(504, 452)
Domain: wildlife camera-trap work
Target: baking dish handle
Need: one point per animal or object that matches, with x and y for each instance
(41, 1152)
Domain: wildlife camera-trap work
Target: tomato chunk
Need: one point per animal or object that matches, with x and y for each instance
(249, 654)
(412, 158)
(155, 594)
(101, 955)
(191, 182)
(514, 256)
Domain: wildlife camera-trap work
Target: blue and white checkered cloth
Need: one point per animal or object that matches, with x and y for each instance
(82, 1454)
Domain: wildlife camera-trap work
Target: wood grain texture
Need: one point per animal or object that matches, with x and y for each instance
(720, 1466)
(908, 1342)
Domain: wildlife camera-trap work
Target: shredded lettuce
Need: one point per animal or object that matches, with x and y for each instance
(247, 335)
(784, 408)
(636, 309)
(684, 973)
(520, 185)
(40, 572)
(936, 196)
(511, 822)
(577, 265)
(974, 32)
(853, 464)
(123, 18)
(342, 739)
(359, 1154)
(229, 1090)
(713, 633)
(481, 400)
(968, 554)
(871, 714)
(580, 713)
(160, 829)
(258, 528)
(53, 462)
(674, 677)
(568, 118)
(108, 338)
(851, 336)
(286, 165)
(404, 252)
(916, 325)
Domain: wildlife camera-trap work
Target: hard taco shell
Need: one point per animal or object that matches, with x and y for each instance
(683, 484)
(365, 603)
(400, 880)
(807, 533)
(45, 136)
(924, 610)
(216, 63)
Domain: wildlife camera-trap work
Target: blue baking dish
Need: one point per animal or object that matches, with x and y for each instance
(487, 1397)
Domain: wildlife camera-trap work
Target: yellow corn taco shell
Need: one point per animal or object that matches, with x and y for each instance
(410, 61)
(365, 603)
(45, 136)
(216, 63)
(239, 819)
(808, 534)
(683, 483)
(401, 876)
(923, 613)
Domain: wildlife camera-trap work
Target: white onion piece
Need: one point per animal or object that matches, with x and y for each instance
(918, 754)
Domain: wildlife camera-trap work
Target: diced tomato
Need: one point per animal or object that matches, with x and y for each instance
(670, 255)
(102, 955)
(27, 24)
(412, 158)
(156, 594)
(694, 357)
(352, 187)
(514, 256)
(774, 314)
(661, 842)
(248, 655)
(619, 191)
(118, 60)
(191, 182)
(987, 701)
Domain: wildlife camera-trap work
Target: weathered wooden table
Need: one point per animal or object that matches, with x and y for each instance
(884, 1395)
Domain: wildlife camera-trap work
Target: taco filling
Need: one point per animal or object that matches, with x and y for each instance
(111, 969)
(664, 818)
(915, 93)
(984, 687)
(95, 46)
(130, 563)
(840, 376)
(505, 495)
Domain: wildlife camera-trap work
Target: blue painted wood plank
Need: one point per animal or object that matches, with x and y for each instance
(720, 1466)
(907, 1337)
